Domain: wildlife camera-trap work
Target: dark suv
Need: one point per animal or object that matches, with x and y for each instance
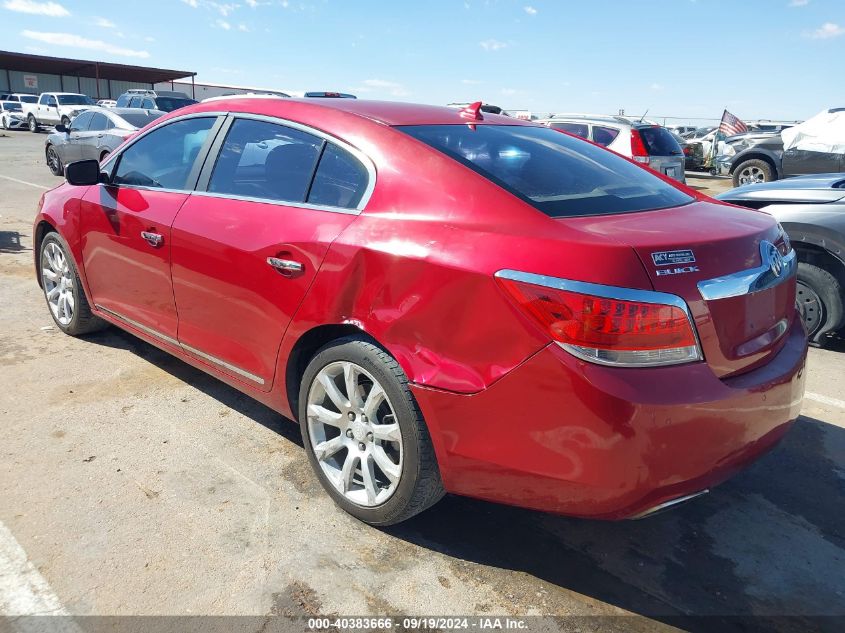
(162, 100)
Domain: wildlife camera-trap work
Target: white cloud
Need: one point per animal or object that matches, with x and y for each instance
(243, 27)
(799, 3)
(492, 45)
(509, 91)
(75, 41)
(149, 39)
(470, 82)
(52, 9)
(530, 10)
(191, 3)
(252, 3)
(104, 23)
(223, 24)
(656, 87)
(827, 31)
(382, 85)
(224, 9)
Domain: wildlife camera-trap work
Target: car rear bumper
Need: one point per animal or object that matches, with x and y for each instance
(561, 435)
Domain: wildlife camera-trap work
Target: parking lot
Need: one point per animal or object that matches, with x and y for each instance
(136, 484)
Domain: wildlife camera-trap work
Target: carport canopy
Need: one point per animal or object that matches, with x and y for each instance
(84, 68)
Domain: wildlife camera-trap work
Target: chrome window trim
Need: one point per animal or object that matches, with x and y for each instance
(749, 281)
(609, 292)
(172, 341)
(281, 203)
(365, 160)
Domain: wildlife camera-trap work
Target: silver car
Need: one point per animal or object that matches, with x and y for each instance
(94, 133)
(645, 142)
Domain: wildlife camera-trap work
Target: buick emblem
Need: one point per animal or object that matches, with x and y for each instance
(775, 259)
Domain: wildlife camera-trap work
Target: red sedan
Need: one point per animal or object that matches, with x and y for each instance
(447, 301)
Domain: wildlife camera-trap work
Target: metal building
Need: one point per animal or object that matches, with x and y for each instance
(34, 74)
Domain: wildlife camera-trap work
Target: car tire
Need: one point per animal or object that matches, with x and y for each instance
(820, 302)
(66, 122)
(63, 289)
(33, 124)
(54, 162)
(396, 430)
(104, 155)
(754, 170)
(3, 122)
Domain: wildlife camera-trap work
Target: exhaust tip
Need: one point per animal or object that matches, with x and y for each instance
(666, 505)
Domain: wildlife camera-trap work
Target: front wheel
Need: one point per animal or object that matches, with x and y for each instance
(33, 124)
(54, 162)
(364, 434)
(66, 122)
(752, 171)
(63, 289)
(3, 121)
(820, 301)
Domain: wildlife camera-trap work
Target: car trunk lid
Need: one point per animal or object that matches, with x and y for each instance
(716, 258)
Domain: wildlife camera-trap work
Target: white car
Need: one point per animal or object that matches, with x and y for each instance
(107, 103)
(19, 97)
(642, 141)
(11, 116)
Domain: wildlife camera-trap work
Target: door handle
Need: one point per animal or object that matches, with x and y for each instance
(153, 239)
(285, 265)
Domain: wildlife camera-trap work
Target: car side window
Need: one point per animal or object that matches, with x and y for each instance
(148, 104)
(99, 122)
(578, 129)
(340, 180)
(265, 160)
(164, 157)
(80, 123)
(43, 99)
(604, 135)
(135, 102)
(122, 101)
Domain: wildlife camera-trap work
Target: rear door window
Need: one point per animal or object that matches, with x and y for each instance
(148, 104)
(340, 180)
(604, 136)
(165, 157)
(659, 141)
(581, 130)
(266, 161)
(555, 173)
(122, 101)
(135, 102)
(99, 123)
(81, 122)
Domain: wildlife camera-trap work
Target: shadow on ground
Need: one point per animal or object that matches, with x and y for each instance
(764, 551)
(10, 242)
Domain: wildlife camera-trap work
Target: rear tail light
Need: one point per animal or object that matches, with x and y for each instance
(638, 151)
(604, 324)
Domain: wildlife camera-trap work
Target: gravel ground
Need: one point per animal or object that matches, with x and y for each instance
(133, 484)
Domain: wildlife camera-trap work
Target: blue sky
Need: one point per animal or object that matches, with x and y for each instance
(687, 58)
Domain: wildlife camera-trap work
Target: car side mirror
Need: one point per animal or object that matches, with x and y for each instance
(61, 128)
(83, 173)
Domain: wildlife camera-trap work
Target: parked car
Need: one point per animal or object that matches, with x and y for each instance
(94, 134)
(680, 130)
(618, 346)
(11, 115)
(161, 100)
(107, 103)
(53, 108)
(816, 146)
(646, 143)
(18, 97)
(812, 211)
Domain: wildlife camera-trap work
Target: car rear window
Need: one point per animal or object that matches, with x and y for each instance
(140, 119)
(559, 175)
(169, 104)
(604, 136)
(578, 129)
(659, 141)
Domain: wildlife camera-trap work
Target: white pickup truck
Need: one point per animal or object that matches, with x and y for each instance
(53, 108)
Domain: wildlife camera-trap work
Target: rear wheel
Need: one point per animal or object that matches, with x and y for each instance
(63, 289)
(752, 171)
(364, 434)
(820, 301)
(54, 162)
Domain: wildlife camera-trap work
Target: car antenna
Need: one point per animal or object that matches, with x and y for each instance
(644, 113)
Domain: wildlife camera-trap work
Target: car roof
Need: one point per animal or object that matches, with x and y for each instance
(386, 112)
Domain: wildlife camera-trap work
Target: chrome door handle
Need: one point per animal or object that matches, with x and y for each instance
(285, 265)
(153, 239)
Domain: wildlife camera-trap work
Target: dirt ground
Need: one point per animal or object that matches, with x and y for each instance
(133, 484)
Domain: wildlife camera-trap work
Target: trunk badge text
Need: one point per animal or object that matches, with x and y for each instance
(664, 258)
(676, 271)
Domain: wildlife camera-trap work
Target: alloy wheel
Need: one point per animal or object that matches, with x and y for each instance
(57, 279)
(354, 433)
(751, 174)
(53, 161)
(810, 307)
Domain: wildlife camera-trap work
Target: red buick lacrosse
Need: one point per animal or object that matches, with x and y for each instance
(446, 300)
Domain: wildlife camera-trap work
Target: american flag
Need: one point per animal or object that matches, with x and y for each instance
(731, 125)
